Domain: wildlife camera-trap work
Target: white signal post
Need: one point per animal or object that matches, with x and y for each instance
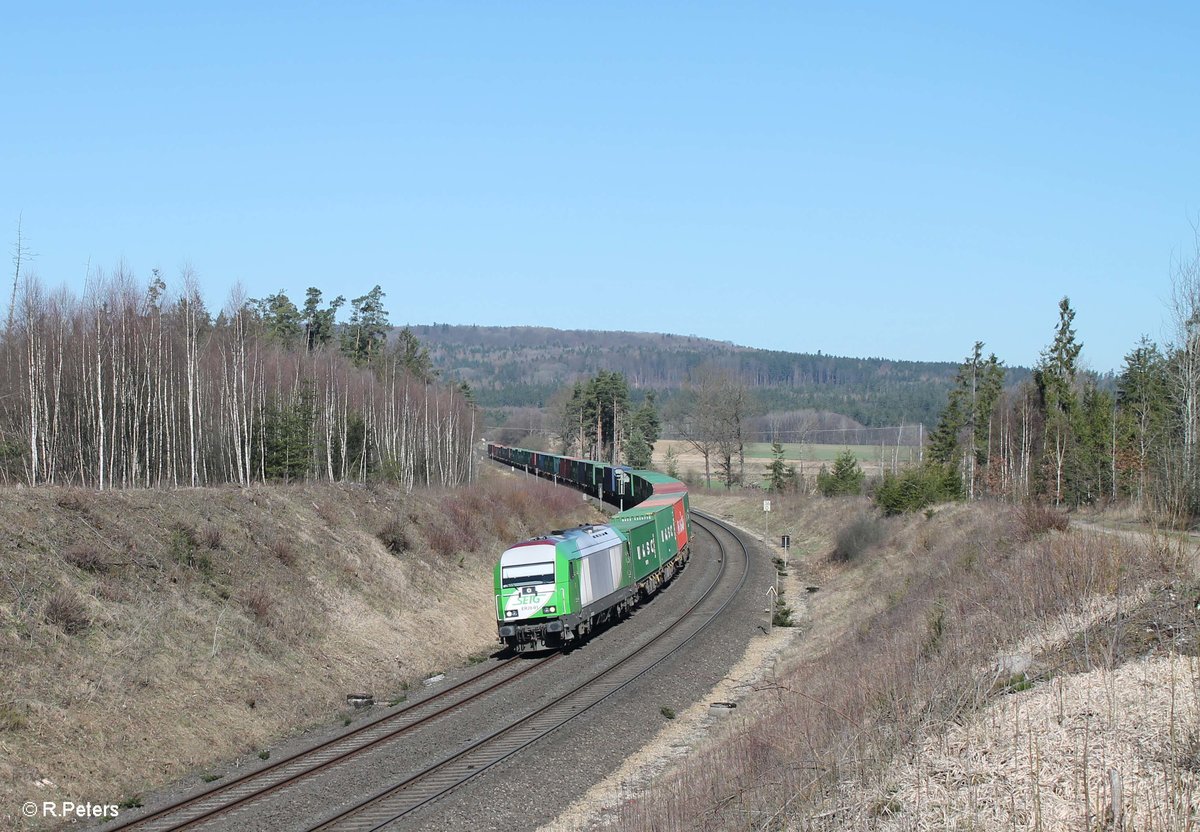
(766, 520)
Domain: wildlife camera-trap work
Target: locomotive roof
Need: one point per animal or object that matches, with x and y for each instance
(587, 539)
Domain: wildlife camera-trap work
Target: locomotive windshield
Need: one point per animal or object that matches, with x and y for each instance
(527, 574)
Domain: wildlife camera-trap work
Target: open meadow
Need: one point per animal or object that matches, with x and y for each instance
(807, 458)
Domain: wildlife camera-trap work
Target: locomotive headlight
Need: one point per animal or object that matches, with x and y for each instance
(511, 613)
(550, 610)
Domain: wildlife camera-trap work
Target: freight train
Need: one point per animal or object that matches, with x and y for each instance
(551, 591)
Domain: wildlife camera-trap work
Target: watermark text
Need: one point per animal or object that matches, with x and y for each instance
(65, 809)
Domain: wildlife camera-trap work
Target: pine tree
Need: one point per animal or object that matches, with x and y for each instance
(606, 412)
(414, 356)
(364, 336)
(672, 460)
(1144, 403)
(845, 478)
(319, 323)
(777, 470)
(288, 437)
(963, 435)
(1089, 475)
(638, 452)
(646, 420)
(1055, 380)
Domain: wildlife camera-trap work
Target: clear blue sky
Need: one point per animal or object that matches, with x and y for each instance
(894, 180)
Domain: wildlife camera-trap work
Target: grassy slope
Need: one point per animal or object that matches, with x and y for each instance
(145, 635)
(963, 673)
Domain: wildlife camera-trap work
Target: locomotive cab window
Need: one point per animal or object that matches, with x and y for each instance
(527, 574)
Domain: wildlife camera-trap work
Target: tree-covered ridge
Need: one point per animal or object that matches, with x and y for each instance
(525, 366)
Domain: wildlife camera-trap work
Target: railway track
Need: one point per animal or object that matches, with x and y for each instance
(253, 785)
(393, 803)
(399, 799)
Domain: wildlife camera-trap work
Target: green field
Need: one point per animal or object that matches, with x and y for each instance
(828, 453)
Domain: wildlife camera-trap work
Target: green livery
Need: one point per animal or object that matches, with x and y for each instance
(554, 589)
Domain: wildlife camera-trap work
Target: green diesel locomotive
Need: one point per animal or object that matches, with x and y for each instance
(552, 590)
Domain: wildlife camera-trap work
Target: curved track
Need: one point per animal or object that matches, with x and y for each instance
(396, 801)
(255, 784)
(399, 799)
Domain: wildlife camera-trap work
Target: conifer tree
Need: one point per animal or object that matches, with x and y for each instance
(963, 435)
(365, 334)
(280, 317)
(777, 470)
(319, 323)
(1055, 380)
(1143, 399)
(638, 452)
(845, 478)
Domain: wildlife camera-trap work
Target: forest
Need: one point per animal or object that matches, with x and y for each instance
(515, 367)
(1064, 436)
(137, 384)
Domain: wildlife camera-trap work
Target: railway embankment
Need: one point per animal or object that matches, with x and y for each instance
(980, 667)
(153, 637)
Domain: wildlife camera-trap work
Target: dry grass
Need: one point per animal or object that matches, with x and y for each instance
(1045, 759)
(85, 556)
(1036, 519)
(67, 611)
(183, 636)
(858, 536)
(394, 535)
(916, 642)
(209, 537)
(284, 551)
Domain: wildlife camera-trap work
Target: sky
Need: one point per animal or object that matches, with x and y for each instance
(896, 180)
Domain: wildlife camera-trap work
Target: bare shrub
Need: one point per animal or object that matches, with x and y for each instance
(394, 536)
(260, 601)
(85, 557)
(466, 512)
(856, 537)
(1036, 519)
(328, 511)
(210, 537)
(76, 499)
(109, 588)
(534, 504)
(66, 610)
(445, 538)
(284, 551)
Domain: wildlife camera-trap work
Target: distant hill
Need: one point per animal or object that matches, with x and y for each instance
(512, 367)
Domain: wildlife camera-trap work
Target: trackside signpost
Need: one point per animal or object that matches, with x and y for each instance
(766, 520)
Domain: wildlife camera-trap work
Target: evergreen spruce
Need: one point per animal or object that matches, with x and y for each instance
(778, 478)
(845, 478)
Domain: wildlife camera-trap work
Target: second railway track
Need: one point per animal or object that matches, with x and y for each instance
(192, 811)
(398, 800)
